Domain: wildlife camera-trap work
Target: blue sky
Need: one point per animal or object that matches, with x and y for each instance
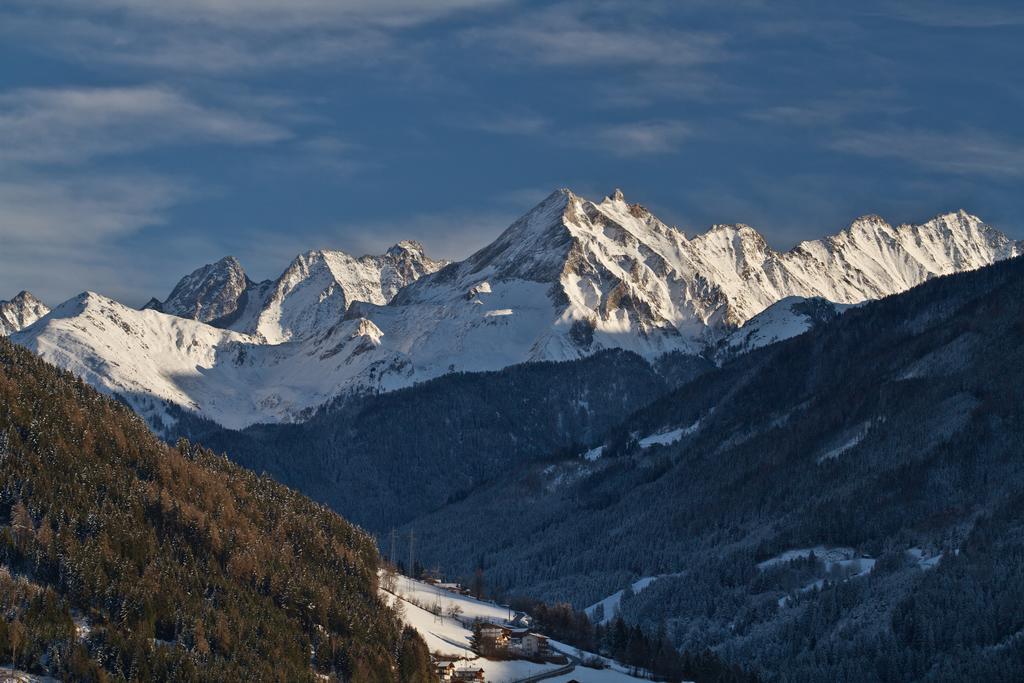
(140, 140)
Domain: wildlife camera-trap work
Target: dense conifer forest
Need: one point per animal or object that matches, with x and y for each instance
(123, 558)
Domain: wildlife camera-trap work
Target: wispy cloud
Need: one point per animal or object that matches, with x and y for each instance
(223, 36)
(571, 34)
(81, 208)
(263, 14)
(72, 125)
(954, 14)
(510, 124)
(62, 204)
(831, 110)
(61, 232)
(639, 138)
(966, 151)
(147, 45)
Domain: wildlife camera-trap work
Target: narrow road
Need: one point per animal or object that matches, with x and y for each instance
(567, 669)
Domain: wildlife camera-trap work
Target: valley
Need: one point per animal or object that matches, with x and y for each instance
(716, 486)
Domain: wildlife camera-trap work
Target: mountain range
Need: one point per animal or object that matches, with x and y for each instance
(570, 278)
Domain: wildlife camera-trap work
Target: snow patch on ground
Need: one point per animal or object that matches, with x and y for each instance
(841, 563)
(830, 556)
(612, 602)
(669, 437)
(925, 560)
(854, 437)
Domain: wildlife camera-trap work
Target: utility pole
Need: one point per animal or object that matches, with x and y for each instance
(391, 556)
(412, 547)
(438, 609)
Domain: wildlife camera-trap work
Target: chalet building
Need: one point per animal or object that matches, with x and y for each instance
(501, 636)
(518, 642)
(529, 644)
(445, 671)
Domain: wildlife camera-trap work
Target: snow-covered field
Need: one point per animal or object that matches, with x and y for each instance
(450, 636)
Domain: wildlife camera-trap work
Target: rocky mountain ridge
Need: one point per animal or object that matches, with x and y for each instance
(20, 312)
(570, 278)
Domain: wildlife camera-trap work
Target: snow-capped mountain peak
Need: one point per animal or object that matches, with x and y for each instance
(316, 290)
(207, 294)
(20, 312)
(569, 278)
(311, 295)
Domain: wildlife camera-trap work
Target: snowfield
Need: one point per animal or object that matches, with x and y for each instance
(450, 636)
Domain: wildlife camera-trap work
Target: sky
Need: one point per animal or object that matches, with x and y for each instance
(140, 140)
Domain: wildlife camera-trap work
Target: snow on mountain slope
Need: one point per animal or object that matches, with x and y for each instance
(20, 312)
(149, 358)
(566, 280)
(315, 291)
(310, 296)
(208, 293)
(574, 276)
(138, 354)
(787, 318)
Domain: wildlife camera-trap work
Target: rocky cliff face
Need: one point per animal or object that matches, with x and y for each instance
(208, 293)
(20, 312)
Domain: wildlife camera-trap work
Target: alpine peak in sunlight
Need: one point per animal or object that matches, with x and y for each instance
(568, 279)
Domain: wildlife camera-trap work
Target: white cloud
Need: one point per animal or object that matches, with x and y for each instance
(574, 34)
(221, 36)
(954, 14)
(153, 45)
(967, 151)
(81, 209)
(63, 212)
(61, 233)
(641, 137)
(453, 234)
(510, 124)
(72, 125)
(828, 111)
(274, 14)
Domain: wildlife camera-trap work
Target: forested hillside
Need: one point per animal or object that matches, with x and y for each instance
(382, 460)
(126, 559)
(845, 505)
